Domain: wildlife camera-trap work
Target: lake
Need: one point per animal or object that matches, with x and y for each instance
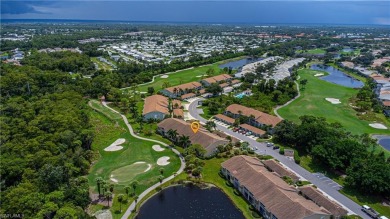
(338, 77)
(189, 202)
(239, 63)
(385, 142)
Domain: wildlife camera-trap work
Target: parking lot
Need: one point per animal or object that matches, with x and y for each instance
(327, 180)
(227, 126)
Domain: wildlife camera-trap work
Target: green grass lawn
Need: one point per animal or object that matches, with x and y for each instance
(312, 102)
(312, 51)
(108, 128)
(184, 76)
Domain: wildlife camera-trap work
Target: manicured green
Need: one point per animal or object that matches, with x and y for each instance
(109, 127)
(184, 76)
(312, 102)
(312, 51)
(101, 65)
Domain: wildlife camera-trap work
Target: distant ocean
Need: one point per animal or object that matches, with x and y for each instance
(8, 21)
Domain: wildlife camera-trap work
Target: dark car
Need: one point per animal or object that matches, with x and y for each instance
(276, 147)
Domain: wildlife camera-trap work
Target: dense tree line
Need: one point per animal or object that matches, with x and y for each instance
(65, 61)
(338, 150)
(45, 144)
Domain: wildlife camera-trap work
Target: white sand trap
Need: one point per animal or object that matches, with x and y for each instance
(139, 162)
(164, 76)
(318, 75)
(333, 100)
(163, 161)
(377, 126)
(157, 147)
(115, 146)
(149, 167)
(114, 180)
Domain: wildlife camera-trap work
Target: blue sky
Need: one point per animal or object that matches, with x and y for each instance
(217, 11)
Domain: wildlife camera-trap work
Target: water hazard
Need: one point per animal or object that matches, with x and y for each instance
(189, 202)
(338, 77)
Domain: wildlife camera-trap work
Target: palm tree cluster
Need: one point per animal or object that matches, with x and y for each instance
(104, 189)
(182, 140)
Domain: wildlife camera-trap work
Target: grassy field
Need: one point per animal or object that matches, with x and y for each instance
(108, 128)
(312, 51)
(312, 102)
(184, 76)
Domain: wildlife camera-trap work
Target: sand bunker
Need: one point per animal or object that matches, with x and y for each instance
(377, 126)
(115, 146)
(157, 148)
(318, 75)
(164, 76)
(200, 76)
(149, 167)
(163, 161)
(333, 100)
(103, 214)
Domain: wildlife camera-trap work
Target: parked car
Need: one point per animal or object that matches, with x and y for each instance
(235, 129)
(270, 144)
(276, 147)
(248, 133)
(371, 212)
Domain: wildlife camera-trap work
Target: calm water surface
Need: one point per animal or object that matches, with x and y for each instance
(385, 142)
(338, 77)
(189, 202)
(239, 63)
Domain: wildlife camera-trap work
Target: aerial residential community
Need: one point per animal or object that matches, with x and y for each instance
(130, 109)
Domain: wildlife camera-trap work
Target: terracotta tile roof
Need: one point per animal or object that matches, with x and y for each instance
(235, 81)
(224, 85)
(252, 129)
(279, 169)
(260, 117)
(386, 103)
(178, 113)
(191, 85)
(224, 118)
(321, 200)
(218, 78)
(187, 95)
(275, 194)
(155, 103)
(202, 91)
(208, 140)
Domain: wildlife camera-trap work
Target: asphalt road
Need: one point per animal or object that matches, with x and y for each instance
(323, 183)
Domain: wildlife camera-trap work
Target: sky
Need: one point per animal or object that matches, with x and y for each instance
(217, 11)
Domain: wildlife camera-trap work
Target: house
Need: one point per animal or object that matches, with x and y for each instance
(207, 140)
(256, 118)
(317, 197)
(216, 79)
(182, 89)
(267, 192)
(224, 119)
(187, 96)
(275, 166)
(255, 131)
(157, 107)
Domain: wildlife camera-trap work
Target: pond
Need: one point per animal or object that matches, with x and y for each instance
(239, 63)
(338, 77)
(189, 202)
(384, 141)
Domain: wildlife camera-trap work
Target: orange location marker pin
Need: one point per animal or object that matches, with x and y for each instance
(195, 127)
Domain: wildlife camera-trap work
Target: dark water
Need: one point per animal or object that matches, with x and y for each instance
(189, 202)
(338, 77)
(239, 63)
(385, 142)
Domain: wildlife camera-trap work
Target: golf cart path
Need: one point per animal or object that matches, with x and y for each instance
(153, 187)
(290, 101)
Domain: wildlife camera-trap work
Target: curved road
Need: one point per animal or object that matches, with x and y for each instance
(324, 185)
(278, 107)
(144, 193)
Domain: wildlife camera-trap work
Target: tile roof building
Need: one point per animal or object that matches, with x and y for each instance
(157, 107)
(179, 90)
(207, 140)
(260, 118)
(216, 79)
(267, 192)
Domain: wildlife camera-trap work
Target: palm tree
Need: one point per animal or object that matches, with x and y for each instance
(136, 198)
(104, 186)
(211, 124)
(134, 184)
(184, 141)
(99, 181)
(166, 84)
(127, 189)
(120, 200)
(111, 187)
(108, 197)
(175, 91)
(162, 171)
(160, 178)
(172, 134)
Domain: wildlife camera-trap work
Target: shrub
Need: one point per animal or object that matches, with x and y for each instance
(281, 150)
(255, 214)
(158, 189)
(228, 183)
(236, 192)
